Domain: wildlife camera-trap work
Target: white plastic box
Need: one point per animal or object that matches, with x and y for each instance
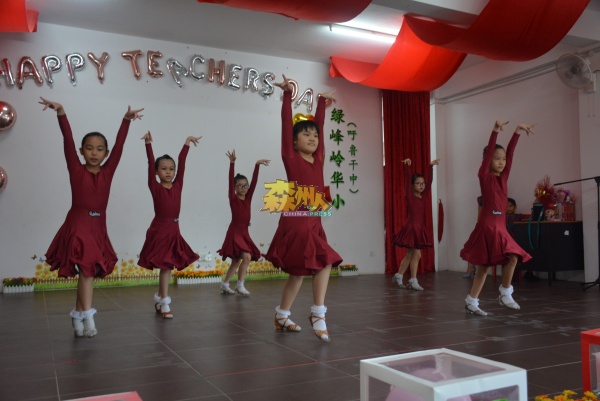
(440, 375)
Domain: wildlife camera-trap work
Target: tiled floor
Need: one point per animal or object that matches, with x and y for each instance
(225, 347)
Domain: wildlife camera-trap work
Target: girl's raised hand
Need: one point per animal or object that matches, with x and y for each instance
(147, 138)
(407, 162)
(528, 128)
(231, 156)
(264, 162)
(133, 114)
(52, 105)
(435, 162)
(328, 95)
(192, 139)
(499, 125)
(285, 85)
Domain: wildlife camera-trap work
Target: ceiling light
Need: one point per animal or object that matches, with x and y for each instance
(362, 33)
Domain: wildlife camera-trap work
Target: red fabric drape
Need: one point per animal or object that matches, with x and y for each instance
(410, 65)
(310, 10)
(406, 135)
(440, 220)
(514, 30)
(15, 17)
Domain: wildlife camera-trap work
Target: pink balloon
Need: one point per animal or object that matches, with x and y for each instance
(3, 179)
(8, 116)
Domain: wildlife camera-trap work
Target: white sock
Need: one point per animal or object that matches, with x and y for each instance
(224, 284)
(240, 283)
(472, 301)
(506, 291)
(164, 304)
(413, 280)
(399, 277)
(317, 312)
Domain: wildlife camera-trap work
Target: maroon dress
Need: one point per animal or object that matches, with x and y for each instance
(413, 234)
(299, 246)
(164, 247)
(82, 244)
(490, 243)
(237, 239)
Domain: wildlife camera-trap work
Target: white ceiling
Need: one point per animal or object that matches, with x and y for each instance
(218, 26)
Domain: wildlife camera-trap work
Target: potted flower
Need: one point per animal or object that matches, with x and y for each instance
(18, 284)
(569, 395)
(197, 276)
(348, 270)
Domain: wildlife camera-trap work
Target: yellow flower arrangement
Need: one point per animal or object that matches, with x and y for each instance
(348, 267)
(568, 395)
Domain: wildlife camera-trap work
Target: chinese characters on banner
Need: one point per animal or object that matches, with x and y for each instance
(344, 157)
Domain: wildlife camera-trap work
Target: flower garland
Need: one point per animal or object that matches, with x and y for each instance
(196, 273)
(567, 395)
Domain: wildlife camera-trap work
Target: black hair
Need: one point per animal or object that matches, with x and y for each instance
(88, 135)
(163, 157)
(304, 125)
(512, 202)
(496, 148)
(239, 177)
(415, 177)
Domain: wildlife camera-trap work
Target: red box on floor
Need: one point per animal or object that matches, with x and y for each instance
(590, 359)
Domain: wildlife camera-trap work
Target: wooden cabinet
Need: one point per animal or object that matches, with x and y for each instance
(554, 246)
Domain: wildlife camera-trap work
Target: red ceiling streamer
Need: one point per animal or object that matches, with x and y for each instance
(310, 10)
(15, 17)
(411, 65)
(514, 30)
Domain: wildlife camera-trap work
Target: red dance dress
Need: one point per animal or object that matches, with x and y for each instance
(81, 245)
(299, 246)
(413, 234)
(490, 243)
(164, 247)
(237, 239)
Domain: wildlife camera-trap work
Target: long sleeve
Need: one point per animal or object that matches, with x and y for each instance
(151, 168)
(231, 192)
(253, 182)
(117, 150)
(68, 143)
(181, 164)
(320, 121)
(489, 154)
(510, 150)
(428, 180)
(287, 126)
(407, 181)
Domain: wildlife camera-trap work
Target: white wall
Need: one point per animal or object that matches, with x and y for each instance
(37, 197)
(563, 146)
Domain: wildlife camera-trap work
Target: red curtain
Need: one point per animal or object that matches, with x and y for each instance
(15, 17)
(406, 135)
(515, 30)
(310, 10)
(410, 65)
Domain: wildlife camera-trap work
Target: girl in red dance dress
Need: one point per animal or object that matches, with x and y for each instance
(165, 248)
(81, 246)
(414, 235)
(238, 246)
(300, 246)
(490, 243)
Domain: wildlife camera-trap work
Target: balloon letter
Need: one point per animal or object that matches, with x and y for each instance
(176, 69)
(268, 88)
(196, 58)
(306, 97)
(252, 77)
(152, 64)
(99, 63)
(6, 72)
(75, 61)
(233, 76)
(50, 64)
(27, 69)
(132, 56)
(219, 71)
